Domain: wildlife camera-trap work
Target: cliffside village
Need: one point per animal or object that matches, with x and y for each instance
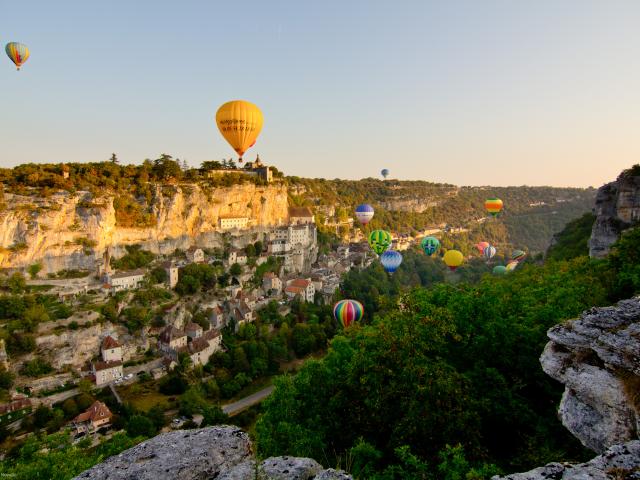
(104, 354)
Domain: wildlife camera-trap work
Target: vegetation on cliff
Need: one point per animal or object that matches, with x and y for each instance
(451, 366)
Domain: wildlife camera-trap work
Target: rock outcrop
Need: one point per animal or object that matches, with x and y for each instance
(620, 462)
(617, 208)
(597, 357)
(221, 452)
(72, 231)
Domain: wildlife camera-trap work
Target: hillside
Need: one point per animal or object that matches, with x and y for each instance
(530, 217)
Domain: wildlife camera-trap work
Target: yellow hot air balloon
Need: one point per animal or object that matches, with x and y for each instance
(17, 52)
(239, 123)
(453, 259)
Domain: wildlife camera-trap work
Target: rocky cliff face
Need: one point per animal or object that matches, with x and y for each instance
(72, 230)
(597, 357)
(221, 452)
(617, 208)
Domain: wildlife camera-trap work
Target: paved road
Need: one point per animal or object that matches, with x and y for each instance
(234, 408)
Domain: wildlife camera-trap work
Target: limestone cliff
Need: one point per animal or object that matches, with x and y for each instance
(221, 452)
(72, 230)
(597, 358)
(617, 208)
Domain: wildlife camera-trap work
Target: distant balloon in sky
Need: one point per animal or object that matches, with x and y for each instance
(499, 270)
(17, 52)
(380, 241)
(481, 246)
(518, 255)
(493, 206)
(240, 123)
(489, 252)
(385, 172)
(453, 259)
(391, 260)
(430, 245)
(511, 266)
(348, 311)
(364, 213)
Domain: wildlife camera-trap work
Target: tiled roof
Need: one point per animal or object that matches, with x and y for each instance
(97, 411)
(109, 342)
(15, 405)
(131, 273)
(192, 327)
(170, 333)
(300, 212)
(98, 366)
(300, 282)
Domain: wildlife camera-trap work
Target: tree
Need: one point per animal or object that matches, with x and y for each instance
(250, 250)
(16, 283)
(6, 378)
(70, 408)
(140, 426)
(34, 269)
(114, 159)
(235, 269)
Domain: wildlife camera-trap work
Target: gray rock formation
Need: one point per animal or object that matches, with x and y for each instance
(221, 452)
(597, 357)
(617, 208)
(618, 462)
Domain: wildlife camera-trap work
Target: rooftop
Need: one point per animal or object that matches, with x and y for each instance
(130, 273)
(109, 342)
(300, 212)
(99, 366)
(97, 411)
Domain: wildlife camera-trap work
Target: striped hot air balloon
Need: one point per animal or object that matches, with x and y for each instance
(489, 252)
(348, 311)
(518, 255)
(493, 206)
(380, 241)
(391, 260)
(430, 245)
(17, 52)
(364, 213)
(453, 259)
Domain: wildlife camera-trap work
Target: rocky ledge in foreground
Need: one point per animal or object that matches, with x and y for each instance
(620, 462)
(597, 357)
(221, 453)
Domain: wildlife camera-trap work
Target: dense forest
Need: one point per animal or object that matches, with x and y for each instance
(444, 381)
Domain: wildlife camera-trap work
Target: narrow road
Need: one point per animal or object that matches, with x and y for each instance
(234, 408)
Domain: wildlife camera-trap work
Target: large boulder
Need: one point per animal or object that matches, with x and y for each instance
(221, 452)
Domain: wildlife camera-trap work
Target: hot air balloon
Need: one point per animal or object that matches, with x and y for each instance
(239, 123)
(385, 172)
(453, 259)
(493, 206)
(380, 241)
(364, 213)
(499, 270)
(17, 52)
(430, 245)
(391, 260)
(348, 311)
(481, 246)
(518, 255)
(489, 252)
(511, 266)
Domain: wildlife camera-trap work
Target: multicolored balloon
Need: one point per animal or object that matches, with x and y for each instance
(348, 311)
(385, 172)
(493, 206)
(453, 259)
(364, 213)
(511, 266)
(391, 260)
(380, 241)
(499, 270)
(430, 245)
(489, 251)
(17, 52)
(481, 246)
(518, 255)
(240, 123)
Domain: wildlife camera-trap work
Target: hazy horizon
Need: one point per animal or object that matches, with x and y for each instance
(494, 94)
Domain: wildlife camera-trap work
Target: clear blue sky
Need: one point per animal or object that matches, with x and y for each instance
(472, 93)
